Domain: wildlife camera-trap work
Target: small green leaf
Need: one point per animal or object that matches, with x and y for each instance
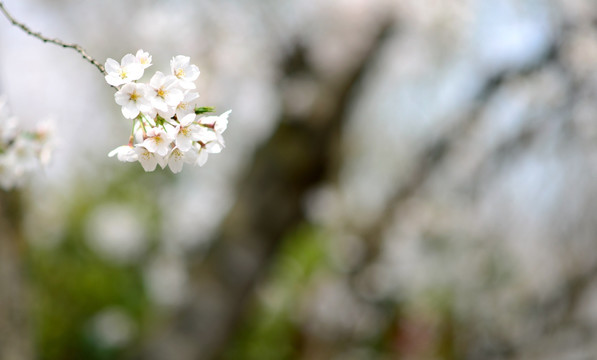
(203, 109)
(159, 120)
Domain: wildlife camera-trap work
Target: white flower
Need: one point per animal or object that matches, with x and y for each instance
(158, 141)
(133, 99)
(165, 93)
(143, 58)
(205, 135)
(218, 124)
(166, 130)
(125, 153)
(184, 132)
(187, 73)
(128, 70)
(187, 105)
(188, 131)
(178, 157)
(215, 147)
(202, 155)
(148, 159)
(221, 123)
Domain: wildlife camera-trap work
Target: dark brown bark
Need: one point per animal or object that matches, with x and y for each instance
(15, 335)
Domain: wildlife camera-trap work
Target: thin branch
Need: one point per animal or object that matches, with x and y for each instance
(58, 42)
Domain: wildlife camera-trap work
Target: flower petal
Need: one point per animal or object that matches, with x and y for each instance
(184, 143)
(175, 160)
(128, 59)
(147, 159)
(201, 157)
(129, 110)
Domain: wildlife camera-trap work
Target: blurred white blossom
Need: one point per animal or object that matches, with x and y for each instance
(116, 232)
(166, 280)
(21, 152)
(112, 328)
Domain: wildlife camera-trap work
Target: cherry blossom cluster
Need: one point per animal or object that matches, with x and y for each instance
(168, 126)
(21, 152)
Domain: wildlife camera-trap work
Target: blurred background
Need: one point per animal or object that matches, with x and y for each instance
(403, 179)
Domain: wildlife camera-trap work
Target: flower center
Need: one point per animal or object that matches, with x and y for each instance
(134, 96)
(122, 74)
(179, 73)
(161, 92)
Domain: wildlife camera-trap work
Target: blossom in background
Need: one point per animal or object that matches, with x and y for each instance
(21, 152)
(169, 128)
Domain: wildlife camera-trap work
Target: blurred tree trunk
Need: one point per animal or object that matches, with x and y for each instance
(15, 335)
(300, 154)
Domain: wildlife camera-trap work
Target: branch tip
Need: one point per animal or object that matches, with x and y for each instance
(58, 42)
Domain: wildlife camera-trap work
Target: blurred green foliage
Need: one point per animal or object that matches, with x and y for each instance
(269, 331)
(71, 284)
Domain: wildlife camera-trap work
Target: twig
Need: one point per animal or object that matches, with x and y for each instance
(58, 42)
